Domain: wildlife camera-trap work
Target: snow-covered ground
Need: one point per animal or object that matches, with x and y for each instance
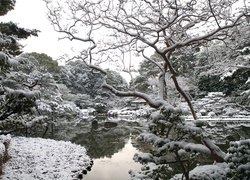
(43, 159)
(126, 112)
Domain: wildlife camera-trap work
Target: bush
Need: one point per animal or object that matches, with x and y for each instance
(4, 146)
(238, 159)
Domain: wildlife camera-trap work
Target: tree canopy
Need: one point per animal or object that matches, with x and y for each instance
(6, 6)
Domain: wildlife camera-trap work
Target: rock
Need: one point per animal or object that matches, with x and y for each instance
(95, 124)
(110, 124)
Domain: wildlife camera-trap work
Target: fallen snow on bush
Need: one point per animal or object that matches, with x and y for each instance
(207, 172)
(37, 158)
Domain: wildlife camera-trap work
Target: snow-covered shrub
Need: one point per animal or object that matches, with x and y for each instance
(207, 172)
(18, 102)
(15, 106)
(238, 158)
(100, 108)
(26, 125)
(150, 171)
(173, 143)
(4, 146)
(203, 112)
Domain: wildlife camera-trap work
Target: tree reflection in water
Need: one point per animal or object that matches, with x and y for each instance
(104, 142)
(111, 149)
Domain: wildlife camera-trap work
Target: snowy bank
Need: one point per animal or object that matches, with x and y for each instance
(43, 159)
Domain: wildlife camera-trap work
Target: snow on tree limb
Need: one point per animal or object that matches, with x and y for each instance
(148, 99)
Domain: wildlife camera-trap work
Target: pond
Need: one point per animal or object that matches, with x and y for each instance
(112, 149)
(116, 166)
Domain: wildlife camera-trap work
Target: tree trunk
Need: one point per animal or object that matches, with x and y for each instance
(162, 87)
(178, 88)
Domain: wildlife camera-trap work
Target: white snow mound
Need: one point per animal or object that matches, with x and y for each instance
(43, 159)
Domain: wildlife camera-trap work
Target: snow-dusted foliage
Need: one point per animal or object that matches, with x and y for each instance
(15, 94)
(174, 141)
(238, 158)
(25, 121)
(230, 71)
(207, 172)
(3, 60)
(7, 61)
(149, 171)
(18, 102)
(10, 47)
(217, 104)
(15, 99)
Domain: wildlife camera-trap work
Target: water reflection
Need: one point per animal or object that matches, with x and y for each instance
(115, 167)
(103, 142)
(111, 148)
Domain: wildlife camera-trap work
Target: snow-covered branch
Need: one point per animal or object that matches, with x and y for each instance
(148, 99)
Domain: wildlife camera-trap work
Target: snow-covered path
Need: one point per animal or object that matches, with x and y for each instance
(43, 159)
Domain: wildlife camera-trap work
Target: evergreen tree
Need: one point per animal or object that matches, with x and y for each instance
(6, 6)
(13, 101)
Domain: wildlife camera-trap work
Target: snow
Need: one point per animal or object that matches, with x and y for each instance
(136, 175)
(33, 121)
(37, 158)
(227, 74)
(147, 168)
(3, 57)
(143, 157)
(13, 62)
(188, 147)
(151, 138)
(247, 92)
(215, 149)
(190, 128)
(30, 95)
(191, 147)
(207, 172)
(248, 80)
(131, 112)
(238, 158)
(44, 107)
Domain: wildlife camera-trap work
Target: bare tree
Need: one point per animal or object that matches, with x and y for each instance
(110, 29)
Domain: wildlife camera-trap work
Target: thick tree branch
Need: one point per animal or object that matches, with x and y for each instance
(149, 100)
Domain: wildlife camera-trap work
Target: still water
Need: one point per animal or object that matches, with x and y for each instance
(116, 166)
(112, 149)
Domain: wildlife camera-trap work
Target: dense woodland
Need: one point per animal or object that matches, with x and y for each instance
(37, 92)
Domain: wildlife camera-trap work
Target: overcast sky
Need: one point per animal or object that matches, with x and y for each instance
(31, 14)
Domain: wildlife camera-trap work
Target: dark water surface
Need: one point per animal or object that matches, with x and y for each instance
(112, 149)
